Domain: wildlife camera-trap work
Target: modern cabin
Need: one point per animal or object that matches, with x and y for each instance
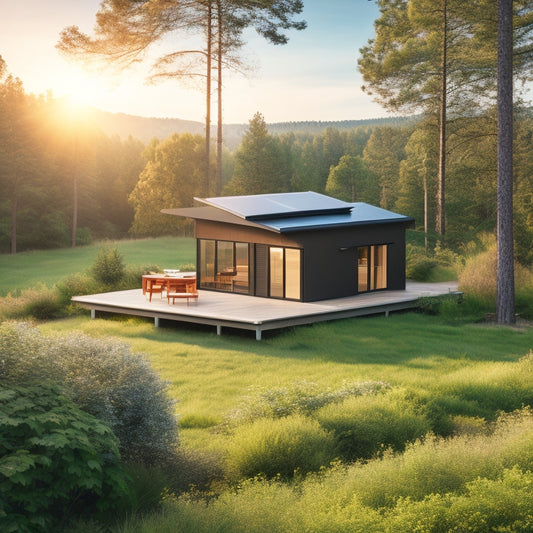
(301, 246)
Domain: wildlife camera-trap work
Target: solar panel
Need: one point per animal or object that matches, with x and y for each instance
(361, 214)
(269, 206)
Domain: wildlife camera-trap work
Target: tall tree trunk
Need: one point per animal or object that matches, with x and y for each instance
(505, 299)
(14, 207)
(74, 208)
(219, 101)
(440, 222)
(208, 98)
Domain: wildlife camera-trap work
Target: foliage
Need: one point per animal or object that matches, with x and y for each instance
(55, 460)
(440, 265)
(279, 447)
(108, 267)
(347, 179)
(104, 379)
(478, 279)
(259, 165)
(480, 483)
(40, 303)
(301, 397)
(366, 425)
(174, 174)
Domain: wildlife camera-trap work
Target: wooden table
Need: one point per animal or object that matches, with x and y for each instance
(178, 283)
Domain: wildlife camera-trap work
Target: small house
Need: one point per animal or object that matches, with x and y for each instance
(301, 246)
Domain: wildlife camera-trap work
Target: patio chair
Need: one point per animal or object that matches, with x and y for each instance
(153, 287)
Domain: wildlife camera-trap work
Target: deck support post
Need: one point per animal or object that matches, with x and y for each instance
(93, 314)
(156, 322)
(219, 330)
(387, 314)
(258, 334)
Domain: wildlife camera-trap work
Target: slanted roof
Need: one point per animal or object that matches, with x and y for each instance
(261, 206)
(289, 212)
(360, 214)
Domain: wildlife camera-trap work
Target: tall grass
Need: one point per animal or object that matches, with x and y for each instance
(466, 484)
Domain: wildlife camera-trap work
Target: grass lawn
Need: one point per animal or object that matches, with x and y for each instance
(210, 375)
(29, 269)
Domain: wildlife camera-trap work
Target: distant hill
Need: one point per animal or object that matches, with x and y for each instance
(145, 129)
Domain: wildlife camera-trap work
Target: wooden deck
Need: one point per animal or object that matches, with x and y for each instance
(260, 314)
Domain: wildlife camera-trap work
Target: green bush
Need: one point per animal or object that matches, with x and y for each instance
(75, 285)
(104, 379)
(108, 267)
(302, 397)
(504, 504)
(281, 447)
(55, 460)
(132, 278)
(365, 425)
(40, 302)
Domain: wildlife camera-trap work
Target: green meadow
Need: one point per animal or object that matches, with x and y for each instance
(412, 422)
(28, 269)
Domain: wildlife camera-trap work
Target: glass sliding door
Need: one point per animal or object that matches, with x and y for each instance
(292, 273)
(284, 268)
(276, 273)
(207, 264)
(224, 265)
(380, 266)
(371, 268)
(241, 283)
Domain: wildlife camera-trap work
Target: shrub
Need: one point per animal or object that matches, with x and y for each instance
(55, 460)
(132, 278)
(280, 448)
(301, 397)
(108, 267)
(75, 285)
(362, 426)
(478, 276)
(105, 379)
(40, 302)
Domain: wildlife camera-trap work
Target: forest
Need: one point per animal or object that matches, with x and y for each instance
(63, 175)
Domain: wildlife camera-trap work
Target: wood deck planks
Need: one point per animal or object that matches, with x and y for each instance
(260, 314)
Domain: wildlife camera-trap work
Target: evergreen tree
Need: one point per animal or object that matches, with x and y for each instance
(259, 163)
(345, 178)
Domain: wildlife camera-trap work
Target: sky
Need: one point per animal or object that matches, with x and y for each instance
(313, 77)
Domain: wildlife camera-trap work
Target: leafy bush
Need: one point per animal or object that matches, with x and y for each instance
(279, 447)
(55, 460)
(476, 483)
(105, 379)
(302, 397)
(75, 285)
(108, 267)
(362, 426)
(478, 276)
(40, 302)
(132, 278)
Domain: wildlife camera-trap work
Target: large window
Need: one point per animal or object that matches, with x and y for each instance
(224, 265)
(371, 268)
(285, 273)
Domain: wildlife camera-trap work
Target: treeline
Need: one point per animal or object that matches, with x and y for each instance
(63, 181)
(62, 177)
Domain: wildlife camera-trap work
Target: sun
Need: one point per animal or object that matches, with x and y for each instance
(81, 88)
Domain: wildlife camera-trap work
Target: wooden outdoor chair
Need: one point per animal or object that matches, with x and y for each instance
(152, 287)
